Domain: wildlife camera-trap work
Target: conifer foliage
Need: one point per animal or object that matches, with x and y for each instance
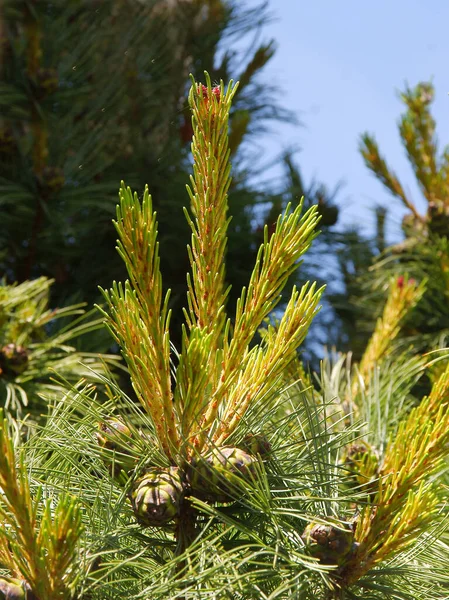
(218, 376)
(36, 342)
(424, 253)
(226, 480)
(40, 552)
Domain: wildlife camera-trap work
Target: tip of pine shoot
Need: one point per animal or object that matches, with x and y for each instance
(216, 91)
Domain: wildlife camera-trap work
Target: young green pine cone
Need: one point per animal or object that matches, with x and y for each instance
(115, 437)
(220, 474)
(256, 443)
(156, 496)
(14, 589)
(327, 543)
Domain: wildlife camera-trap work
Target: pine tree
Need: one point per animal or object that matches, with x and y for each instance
(224, 481)
(424, 253)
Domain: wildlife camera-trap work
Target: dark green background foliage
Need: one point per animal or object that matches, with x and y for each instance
(95, 91)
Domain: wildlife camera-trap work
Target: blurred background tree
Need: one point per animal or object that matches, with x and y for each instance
(92, 91)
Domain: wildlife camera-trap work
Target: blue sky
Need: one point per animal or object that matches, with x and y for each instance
(340, 66)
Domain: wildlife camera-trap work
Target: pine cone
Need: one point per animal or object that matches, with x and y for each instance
(13, 359)
(156, 496)
(327, 543)
(15, 589)
(219, 475)
(115, 437)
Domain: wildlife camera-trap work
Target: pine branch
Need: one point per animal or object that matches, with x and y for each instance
(218, 379)
(374, 161)
(404, 294)
(406, 501)
(43, 554)
(139, 318)
(34, 343)
(277, 259)
(266, 366)
(417, 129)
(206, 286)
(208, 194)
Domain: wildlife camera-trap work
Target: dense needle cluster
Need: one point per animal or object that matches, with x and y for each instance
(224, 479)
